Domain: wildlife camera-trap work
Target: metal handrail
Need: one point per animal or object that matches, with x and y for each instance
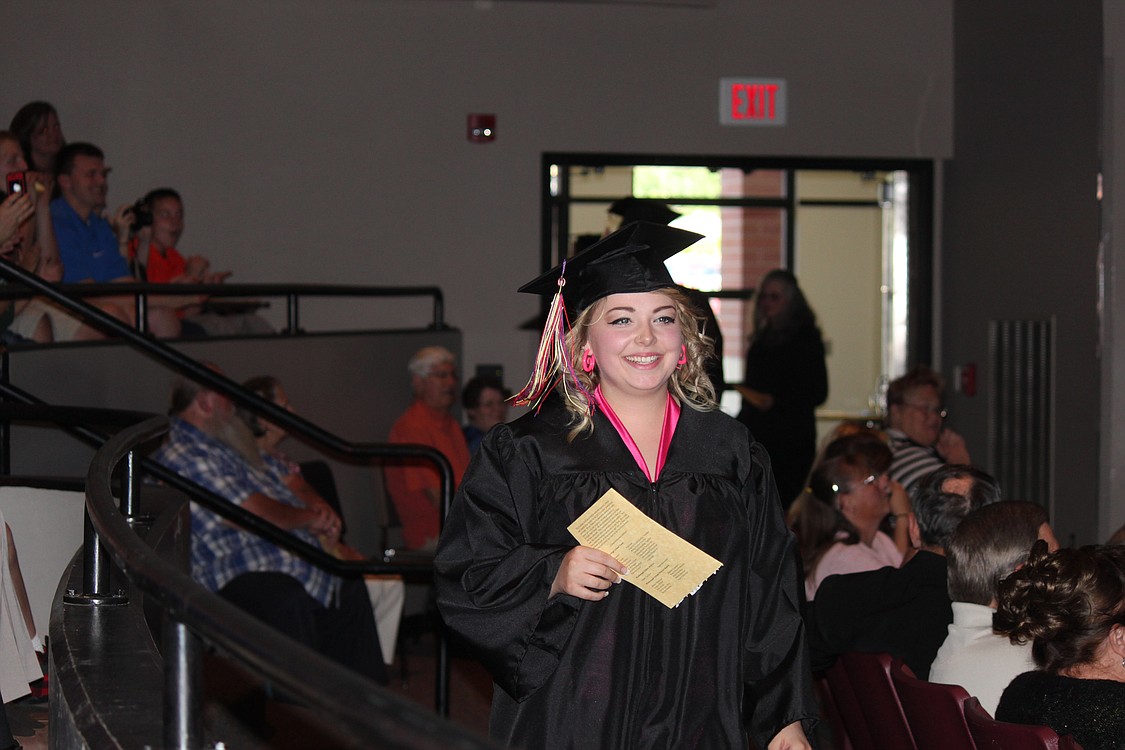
(180, 363)
(31, 285)
(195, 615)
(76, 418)
(76, 421)
(330, 443)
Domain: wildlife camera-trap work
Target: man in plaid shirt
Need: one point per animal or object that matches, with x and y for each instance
(212, 447)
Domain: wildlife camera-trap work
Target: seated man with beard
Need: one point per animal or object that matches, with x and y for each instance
(211, 446)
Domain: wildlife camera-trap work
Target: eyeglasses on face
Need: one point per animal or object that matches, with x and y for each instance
(941, 411)
(869, 480)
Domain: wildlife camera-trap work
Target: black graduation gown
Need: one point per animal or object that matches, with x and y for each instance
(626, 672)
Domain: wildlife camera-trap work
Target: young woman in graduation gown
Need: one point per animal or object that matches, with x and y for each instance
(623, 402)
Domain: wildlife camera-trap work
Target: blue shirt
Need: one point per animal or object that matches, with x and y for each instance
(219, 551)
(88, 249)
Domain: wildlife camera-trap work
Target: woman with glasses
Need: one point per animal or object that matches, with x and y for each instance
(915, 425)
(786, 379)
(848, 497)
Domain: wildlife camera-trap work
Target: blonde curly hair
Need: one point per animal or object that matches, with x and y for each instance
(689, 384)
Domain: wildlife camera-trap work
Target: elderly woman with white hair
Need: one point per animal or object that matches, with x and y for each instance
(415, 489)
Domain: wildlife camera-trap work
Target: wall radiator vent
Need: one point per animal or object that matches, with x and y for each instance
(1021, 415)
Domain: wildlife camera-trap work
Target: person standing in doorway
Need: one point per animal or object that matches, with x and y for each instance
(786, 379)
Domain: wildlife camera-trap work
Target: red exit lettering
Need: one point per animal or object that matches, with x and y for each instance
(753, 101)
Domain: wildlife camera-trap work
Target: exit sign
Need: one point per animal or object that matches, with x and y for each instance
(752, 101)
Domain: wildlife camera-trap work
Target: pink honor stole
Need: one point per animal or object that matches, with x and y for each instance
(667, 430)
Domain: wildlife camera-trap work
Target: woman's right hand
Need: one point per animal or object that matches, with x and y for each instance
(15, 210)
(952, 448)
(587, 573)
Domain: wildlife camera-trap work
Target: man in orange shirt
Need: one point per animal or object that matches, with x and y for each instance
(415, 489)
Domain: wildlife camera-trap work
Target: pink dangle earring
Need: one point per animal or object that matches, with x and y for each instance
(588, 361)
(683, 356)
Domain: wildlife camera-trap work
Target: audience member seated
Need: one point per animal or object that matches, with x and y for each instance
(36, 125)
(89, 245)
(28, 321)
(210, 445)
(415, 488)
(901, 611)
(914, 425)
(989, 545)
(485, 401)
(16, 213)
(38, 319)
(848, 496)
(158, 227)
(1068, 604)
(385, 592)
(977, 485)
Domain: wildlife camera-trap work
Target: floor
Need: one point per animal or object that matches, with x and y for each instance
(28, 721)
(286, 726)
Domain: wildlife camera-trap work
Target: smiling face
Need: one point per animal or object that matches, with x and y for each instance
(865, 500)
(636, 341)
(167, 222)
(11, 156)
(85, 186)
(46, 140)
(919, 415)
(491, 410)
(438, 388)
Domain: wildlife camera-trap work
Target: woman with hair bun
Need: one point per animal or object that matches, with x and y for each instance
(1070, 605)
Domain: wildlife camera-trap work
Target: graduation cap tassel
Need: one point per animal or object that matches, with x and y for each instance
(552, 350)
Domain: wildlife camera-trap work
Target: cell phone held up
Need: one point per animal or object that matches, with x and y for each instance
(17, 182)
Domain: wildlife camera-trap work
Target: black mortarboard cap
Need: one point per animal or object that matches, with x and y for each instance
(629, 260)
(642, 209)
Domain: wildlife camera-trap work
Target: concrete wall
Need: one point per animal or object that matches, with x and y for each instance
(1112, 427)
(325, 141)
(1021, 219)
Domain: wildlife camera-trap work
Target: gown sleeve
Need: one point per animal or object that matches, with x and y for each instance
(776, 658)
(494, 572)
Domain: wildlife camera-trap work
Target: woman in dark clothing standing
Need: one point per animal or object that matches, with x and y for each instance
(786, 379)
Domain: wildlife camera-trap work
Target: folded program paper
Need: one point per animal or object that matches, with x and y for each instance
(660, 563)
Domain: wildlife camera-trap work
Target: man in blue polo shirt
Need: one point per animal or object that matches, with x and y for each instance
(90, 247)
(87, 242)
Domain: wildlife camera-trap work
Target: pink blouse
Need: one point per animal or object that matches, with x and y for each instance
(853, 558)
